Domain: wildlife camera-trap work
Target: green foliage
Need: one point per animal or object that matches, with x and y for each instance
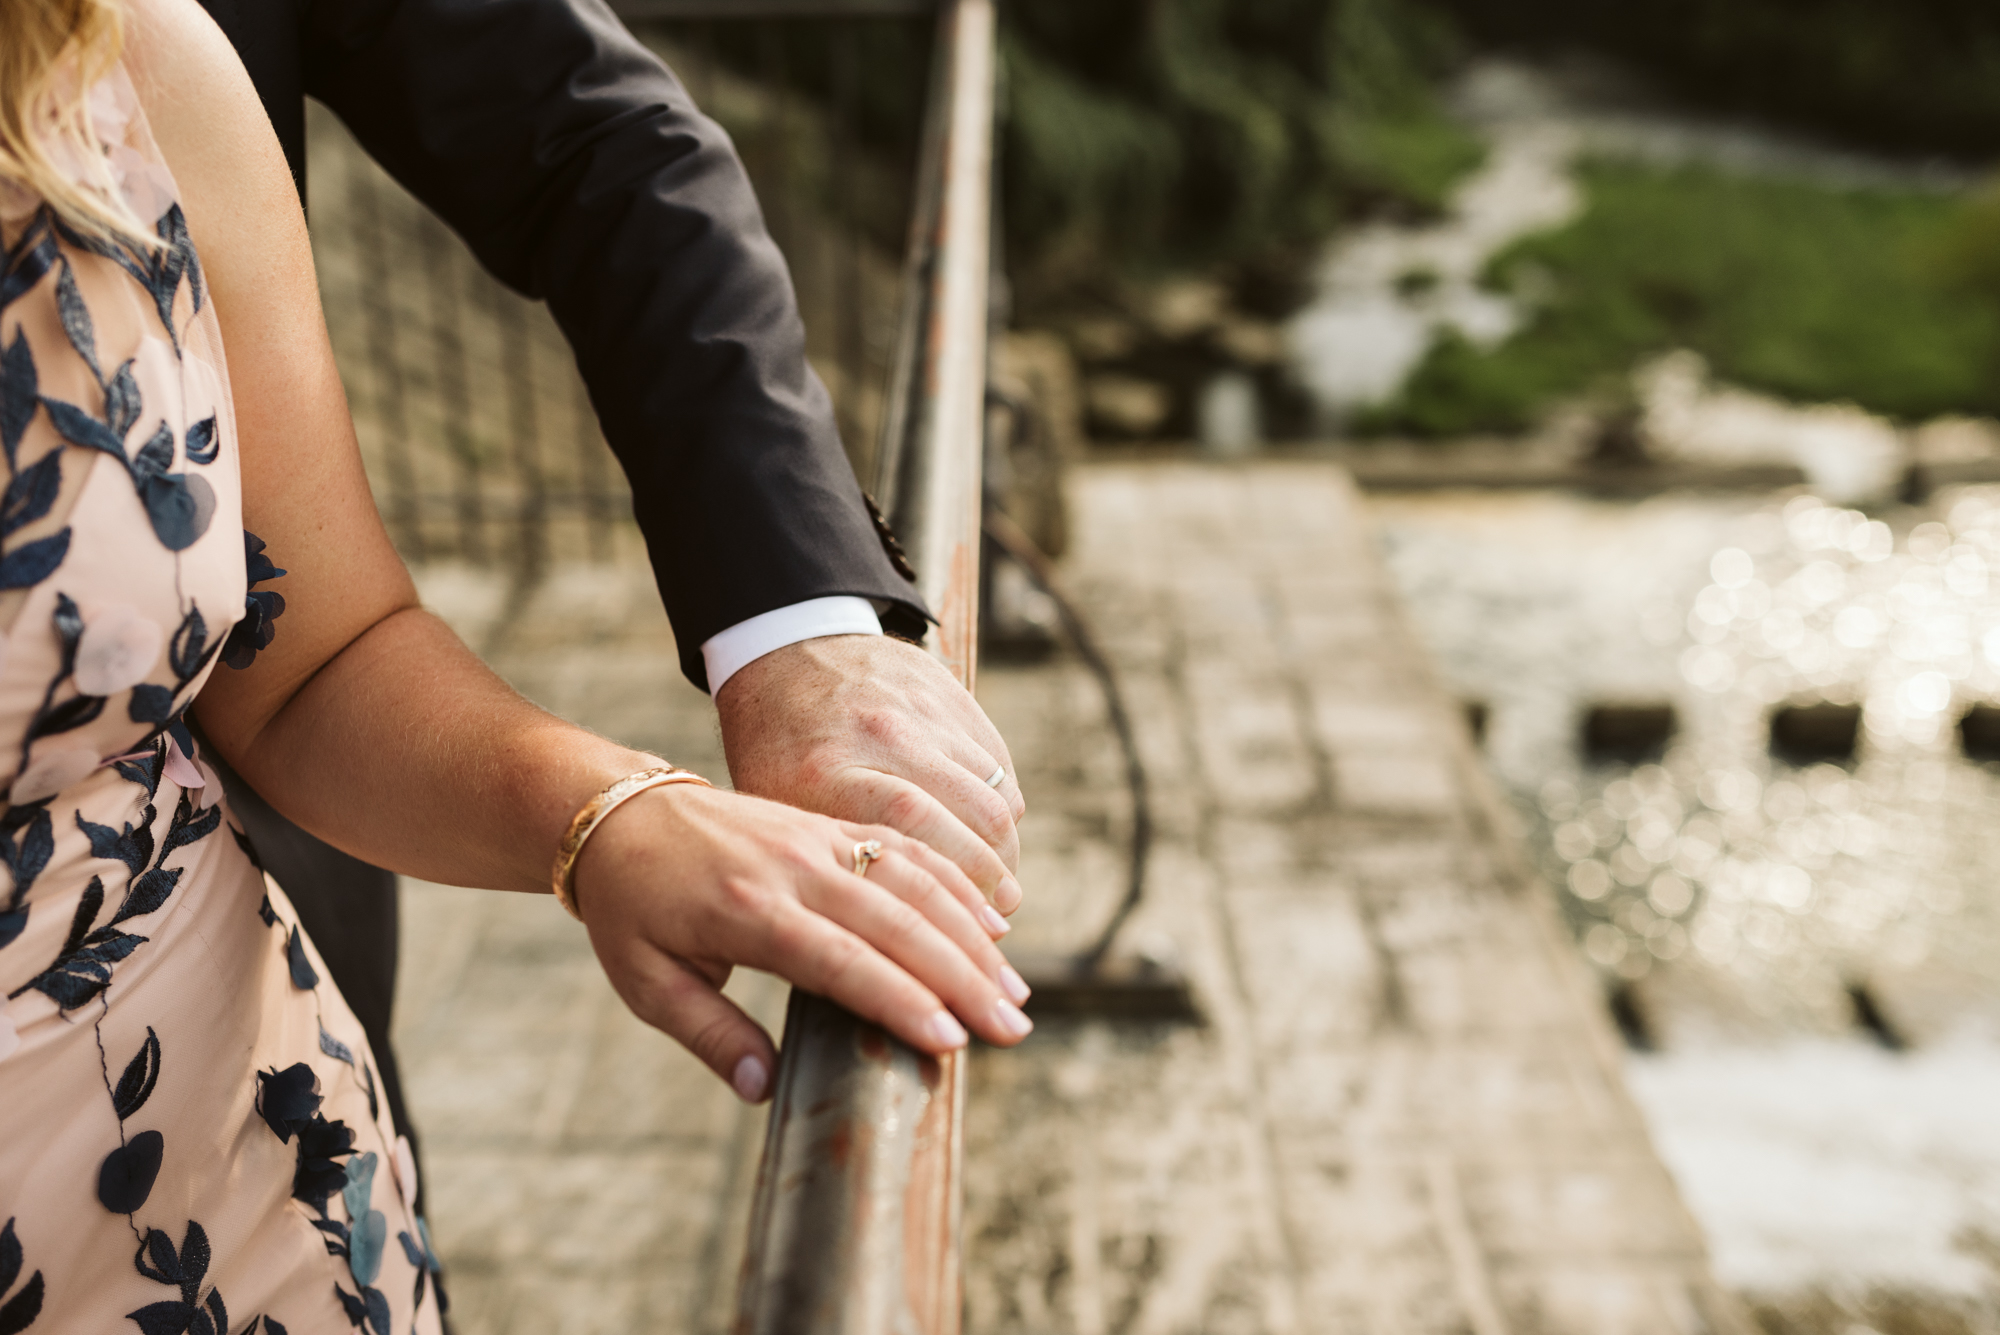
(1967, 252)
(1149, 133)
(1801, 290)
(1140, 135)
(1906, 74)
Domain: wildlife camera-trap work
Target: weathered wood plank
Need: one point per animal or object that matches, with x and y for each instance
(1405, 1112)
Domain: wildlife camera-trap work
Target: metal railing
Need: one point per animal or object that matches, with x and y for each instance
(482, 447)
(855, 1227)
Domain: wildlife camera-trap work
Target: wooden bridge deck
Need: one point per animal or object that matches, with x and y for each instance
(1403, 1113)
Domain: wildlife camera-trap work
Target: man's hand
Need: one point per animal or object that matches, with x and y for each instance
(681, 884)
(870, 729)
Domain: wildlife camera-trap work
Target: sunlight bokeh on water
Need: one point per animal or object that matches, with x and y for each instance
(1755, 901)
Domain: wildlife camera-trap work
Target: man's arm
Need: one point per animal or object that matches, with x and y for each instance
(579, 171)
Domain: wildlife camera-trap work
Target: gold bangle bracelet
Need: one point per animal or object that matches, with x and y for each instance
(591, 815)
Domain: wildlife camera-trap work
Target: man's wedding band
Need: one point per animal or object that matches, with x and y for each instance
(865, 852)
(998, 775)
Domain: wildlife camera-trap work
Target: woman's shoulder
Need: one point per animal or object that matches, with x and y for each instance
(208, 124)
(175, 50)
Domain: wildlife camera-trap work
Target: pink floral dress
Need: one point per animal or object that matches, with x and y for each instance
(191, 1141)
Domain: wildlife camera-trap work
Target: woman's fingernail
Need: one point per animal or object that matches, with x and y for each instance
(1013, 984)
(995, 924)
(1016, 1024)
(1009, 893)
(749, 1079)
(947, 1031)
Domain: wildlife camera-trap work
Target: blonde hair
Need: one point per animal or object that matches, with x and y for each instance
(52, 53)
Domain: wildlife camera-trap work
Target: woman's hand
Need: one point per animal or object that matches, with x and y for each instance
(681, 884)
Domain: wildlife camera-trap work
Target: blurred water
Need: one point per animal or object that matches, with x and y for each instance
(1825, 1163)
(1753, 908)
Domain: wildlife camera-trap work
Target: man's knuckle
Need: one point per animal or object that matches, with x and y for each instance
(885, 727)
(905, 809)
(819, 767)
(996, 822)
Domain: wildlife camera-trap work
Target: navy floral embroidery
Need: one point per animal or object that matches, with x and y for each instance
(18, 1312)
(370, 1310)
(31, 492)
(260, 608)
(179, 505)
(322, 1145)
(83, 967)
(203, 442)
(289, 1101)
(419, 1253)
(158, 1261)
(141, 1075)
(18, 395)
(51, 718)
(125, 1179)
(304, 977)
(147, 771)
(188, 653)
(68, 733)
(334, 1048)
(339, 1051)
(158, 271)
(24, 266)
(128, 1174)
(28, 261)
(27, 842)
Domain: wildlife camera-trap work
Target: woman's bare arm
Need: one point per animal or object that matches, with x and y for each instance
(369, 723)
(354, 642)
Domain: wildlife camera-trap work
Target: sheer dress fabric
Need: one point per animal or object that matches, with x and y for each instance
(192, 1138)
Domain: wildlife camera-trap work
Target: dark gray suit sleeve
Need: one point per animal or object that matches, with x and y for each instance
(579, 171)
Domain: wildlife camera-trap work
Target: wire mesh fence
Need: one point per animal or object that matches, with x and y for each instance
(478, 435)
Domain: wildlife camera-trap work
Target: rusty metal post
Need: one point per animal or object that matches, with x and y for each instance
(855, 1227)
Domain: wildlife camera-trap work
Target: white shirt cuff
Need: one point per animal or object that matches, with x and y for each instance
(727, 652)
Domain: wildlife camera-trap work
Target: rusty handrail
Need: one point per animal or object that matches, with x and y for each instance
(855, 1226)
